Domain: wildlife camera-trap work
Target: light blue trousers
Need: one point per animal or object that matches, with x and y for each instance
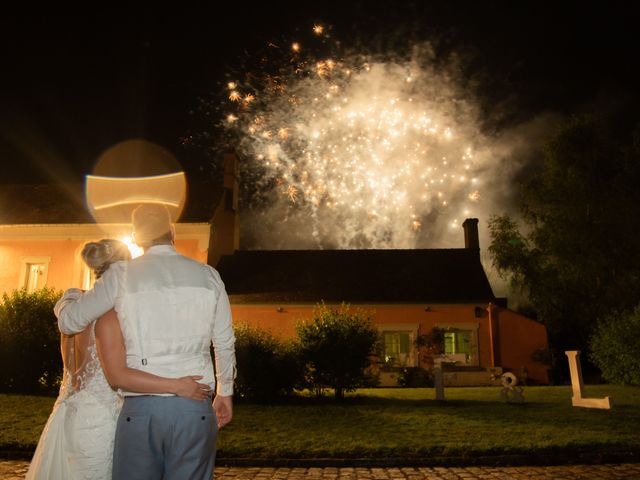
(165, 438)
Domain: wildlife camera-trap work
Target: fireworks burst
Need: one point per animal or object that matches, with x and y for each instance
(380, 150)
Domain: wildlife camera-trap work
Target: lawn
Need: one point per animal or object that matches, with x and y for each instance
(406, 423)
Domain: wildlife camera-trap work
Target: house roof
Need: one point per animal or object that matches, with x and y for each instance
(43, 204)
(386, 276)
(66, 204)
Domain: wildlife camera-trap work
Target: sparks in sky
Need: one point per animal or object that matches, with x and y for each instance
(378, 149)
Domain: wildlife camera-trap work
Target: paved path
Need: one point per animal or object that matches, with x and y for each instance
(16, 469)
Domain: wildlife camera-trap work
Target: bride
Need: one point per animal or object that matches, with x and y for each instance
(77, 440)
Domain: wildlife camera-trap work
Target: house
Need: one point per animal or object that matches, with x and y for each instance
(405, 292)
(44, 227)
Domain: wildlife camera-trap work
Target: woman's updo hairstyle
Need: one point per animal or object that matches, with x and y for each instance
(99, 255)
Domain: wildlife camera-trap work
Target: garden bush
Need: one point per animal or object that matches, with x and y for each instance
(267, 368)
(336, 347)
(415, 377)
(615, 346)
(29, 342)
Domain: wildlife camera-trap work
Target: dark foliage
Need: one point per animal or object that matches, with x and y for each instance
(268, 369)
(29, 342)
(337, 346)
(615, 346)
(578, 257)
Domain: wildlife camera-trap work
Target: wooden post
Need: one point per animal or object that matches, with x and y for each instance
(438, 382)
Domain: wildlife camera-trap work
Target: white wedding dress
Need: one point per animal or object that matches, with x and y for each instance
(77, 441)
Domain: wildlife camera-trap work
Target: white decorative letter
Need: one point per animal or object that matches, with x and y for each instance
(576, 383)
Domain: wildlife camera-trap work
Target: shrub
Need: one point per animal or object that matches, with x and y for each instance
(267, 368)
(415, 377)
(29, 342)
(336, 346)
(615, 346)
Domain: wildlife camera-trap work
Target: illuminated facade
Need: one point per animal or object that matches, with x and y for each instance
(34, 256)
(43, 229)
(406, 293)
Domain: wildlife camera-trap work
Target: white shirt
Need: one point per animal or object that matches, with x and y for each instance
(171, 310)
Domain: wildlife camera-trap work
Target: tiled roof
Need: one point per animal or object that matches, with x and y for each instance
(65, 203)
(436, 275)
(43, 204)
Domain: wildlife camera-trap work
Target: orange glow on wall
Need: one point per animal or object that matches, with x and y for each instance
(62, 245)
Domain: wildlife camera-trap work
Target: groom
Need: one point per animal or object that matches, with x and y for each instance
(171, 310)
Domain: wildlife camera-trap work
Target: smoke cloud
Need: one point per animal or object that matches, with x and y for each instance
(372, 152)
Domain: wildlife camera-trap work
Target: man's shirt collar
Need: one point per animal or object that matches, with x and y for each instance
(160, 249)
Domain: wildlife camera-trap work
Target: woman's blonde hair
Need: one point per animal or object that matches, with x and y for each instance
(99, 255)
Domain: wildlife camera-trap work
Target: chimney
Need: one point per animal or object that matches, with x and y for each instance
(225, 238)
(231, 182)
(471, 240)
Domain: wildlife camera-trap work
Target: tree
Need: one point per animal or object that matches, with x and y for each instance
(336, 346)
(578, 259)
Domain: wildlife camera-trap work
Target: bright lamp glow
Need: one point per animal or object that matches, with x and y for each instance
(134, 249)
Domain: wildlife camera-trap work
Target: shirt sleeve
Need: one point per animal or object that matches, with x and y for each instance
(224, 345)
(76, 311)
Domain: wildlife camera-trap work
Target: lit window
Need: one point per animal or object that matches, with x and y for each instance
(35, 276)
(460, 344)
(457, 341)
(398, 349)
(34, 273)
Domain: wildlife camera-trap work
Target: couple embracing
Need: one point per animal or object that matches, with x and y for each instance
(145, 329)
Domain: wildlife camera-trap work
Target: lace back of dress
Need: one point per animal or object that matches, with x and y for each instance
(81, 362)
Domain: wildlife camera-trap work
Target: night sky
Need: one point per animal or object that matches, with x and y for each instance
(73, 85)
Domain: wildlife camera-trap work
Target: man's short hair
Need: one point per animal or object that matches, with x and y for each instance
(151, 224)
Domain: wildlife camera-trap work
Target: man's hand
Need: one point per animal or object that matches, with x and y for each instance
(70, 295)
(223, 407)
(188, 387)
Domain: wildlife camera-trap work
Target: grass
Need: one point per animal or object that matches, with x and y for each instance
(405, 423)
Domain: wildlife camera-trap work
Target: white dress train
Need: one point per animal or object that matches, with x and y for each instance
(77, 440)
